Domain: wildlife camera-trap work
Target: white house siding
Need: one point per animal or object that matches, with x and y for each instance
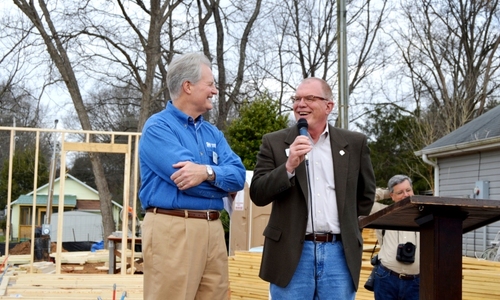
(16, 212)
(72, 186)
(457, 178)
(78, 226)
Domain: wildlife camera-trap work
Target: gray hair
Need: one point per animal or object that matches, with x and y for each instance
(186, 67)
(325, 87)
(397, 179)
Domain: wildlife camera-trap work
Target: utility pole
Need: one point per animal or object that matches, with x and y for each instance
(50, 197)
(343, 103)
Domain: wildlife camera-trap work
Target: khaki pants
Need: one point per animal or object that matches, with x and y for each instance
(184, 258)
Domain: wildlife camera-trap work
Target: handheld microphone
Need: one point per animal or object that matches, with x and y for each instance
(302, 126)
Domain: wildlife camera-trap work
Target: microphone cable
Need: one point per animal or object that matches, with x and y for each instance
(311, 213)
(303, 126)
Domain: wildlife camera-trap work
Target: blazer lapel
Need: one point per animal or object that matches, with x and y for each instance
(300, 172)
(340, 157)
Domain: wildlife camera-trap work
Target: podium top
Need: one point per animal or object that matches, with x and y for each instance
(408, 213)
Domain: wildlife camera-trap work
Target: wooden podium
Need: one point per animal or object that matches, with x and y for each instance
(441, 222)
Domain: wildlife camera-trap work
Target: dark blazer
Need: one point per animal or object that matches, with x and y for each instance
(286, 229)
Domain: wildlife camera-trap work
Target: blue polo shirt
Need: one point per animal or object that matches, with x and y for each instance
(171, 136)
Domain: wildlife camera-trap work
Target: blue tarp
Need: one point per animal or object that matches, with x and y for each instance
(97, 246)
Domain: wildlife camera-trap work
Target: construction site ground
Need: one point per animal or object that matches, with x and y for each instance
(84, 275)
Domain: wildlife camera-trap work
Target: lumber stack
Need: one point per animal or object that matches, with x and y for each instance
(244, 281)
(41, 267)
(244, 268)
(369, 241)
(481, 279)
(71, 286)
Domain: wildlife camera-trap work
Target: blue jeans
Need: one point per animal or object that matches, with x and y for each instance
(324, 278)
(390, 287)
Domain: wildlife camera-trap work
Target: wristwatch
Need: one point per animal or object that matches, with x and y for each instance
(210, 173)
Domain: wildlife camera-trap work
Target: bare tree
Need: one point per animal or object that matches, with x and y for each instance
(17, 98)
(128, 36)
(449, 49)
(56, 47)
(159, 12)
(301, 41)
(256, 47)
(115, 108)
(229, 82)
(83, 38)
(19, 105)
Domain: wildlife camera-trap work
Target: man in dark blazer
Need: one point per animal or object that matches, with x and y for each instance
(313, 253)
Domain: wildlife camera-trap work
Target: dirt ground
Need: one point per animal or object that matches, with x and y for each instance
(25, 248)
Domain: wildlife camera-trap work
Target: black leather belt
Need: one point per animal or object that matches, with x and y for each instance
(400, 276)
(209, 215)
(323, 237)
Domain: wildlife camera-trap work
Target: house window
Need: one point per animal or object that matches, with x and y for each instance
(25, 215)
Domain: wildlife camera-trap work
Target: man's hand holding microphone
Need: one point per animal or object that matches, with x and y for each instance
(299, 148)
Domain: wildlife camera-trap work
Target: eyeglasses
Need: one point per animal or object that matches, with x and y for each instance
(307, 99)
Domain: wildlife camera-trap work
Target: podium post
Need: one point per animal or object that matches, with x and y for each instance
(441, 222)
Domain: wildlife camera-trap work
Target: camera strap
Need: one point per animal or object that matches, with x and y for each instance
(376, 243)
(383, 232)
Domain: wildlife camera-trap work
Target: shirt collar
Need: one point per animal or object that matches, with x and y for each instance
(182, 117)
(326, 132)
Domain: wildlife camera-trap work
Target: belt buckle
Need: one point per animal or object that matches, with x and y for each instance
(208, 212)
(328, 235)
(402, 276)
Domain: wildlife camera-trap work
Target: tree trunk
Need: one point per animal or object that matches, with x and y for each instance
(58, 54)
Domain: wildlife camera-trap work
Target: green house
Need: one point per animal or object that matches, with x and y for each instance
(78, 196)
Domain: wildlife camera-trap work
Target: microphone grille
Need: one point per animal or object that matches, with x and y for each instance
(302, 123)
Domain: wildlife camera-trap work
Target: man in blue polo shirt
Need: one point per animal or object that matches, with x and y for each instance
(187, 168)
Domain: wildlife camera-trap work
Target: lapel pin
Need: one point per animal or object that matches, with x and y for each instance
(342, 152)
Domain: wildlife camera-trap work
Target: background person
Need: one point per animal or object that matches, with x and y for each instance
(397, 277)
(342, 188)
(187, 167)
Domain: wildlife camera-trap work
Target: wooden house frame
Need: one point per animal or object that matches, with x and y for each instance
(78, 196)
(79, 141)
